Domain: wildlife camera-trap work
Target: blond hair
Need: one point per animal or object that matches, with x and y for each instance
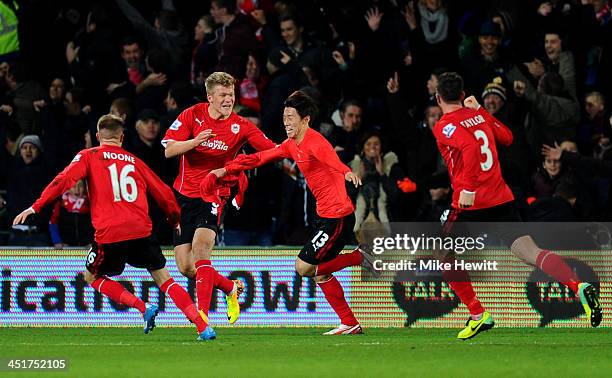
(222, 79)
(597, 96)
(111, 123)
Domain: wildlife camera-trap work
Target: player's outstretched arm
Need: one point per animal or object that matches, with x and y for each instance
(75, 171)
(257, 139)
(246, 162)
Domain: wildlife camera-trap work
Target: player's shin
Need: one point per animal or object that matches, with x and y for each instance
(554, 265)
(204, 284)
(223, 283)
(118, 293)
(335, 296)
(459, 281)
(183, 301)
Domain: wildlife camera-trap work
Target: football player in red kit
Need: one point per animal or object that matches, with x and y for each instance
(467, 137)
(118, 184)
(206, 136)
(326, 176)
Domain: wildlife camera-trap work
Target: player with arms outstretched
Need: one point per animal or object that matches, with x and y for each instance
(467, 137)
(326, 176)
(118, 183)
(206, 136)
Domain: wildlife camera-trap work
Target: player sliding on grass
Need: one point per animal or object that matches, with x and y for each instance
(466, 137)
(118, 184)
(206, 136)
(325, 175)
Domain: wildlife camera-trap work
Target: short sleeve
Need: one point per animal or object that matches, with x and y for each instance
(180, 130)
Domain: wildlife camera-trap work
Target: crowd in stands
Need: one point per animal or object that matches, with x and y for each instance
(371, 66)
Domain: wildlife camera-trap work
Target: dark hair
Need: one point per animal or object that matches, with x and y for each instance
(229, 5)
(439, 71)
(124, 106)
(450, 87)
(348, 102)
(555, 31)
(303, 104)
(291, 17)
(168, 20)
(182, 93)
(552, 84)
(372, 134)
(130, 40)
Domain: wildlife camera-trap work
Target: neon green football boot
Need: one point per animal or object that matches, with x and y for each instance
(589, 296)
(474, 327)
(233, 307)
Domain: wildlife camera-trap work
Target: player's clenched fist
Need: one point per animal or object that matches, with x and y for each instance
(471, 103)
(202, 137)
(466, 199)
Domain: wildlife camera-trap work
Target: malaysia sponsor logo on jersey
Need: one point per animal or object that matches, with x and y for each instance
(449, 129)
(235, 128)
(215, 145)
(175, 125)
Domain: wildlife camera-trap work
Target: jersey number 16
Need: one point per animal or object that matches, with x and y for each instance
(124, 186)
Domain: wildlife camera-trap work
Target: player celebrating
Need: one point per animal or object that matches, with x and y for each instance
(325, 175)
(118, 183)
(206, 136)
(466, 138)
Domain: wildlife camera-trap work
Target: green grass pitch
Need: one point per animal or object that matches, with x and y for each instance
(303, 352)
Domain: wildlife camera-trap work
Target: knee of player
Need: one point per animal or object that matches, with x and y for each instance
(187, 269)
(305, 270)
(324, 278)
(89, 277)
(525, 249)
(203, 247)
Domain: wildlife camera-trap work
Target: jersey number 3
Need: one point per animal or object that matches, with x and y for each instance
(485, 150)
(124, 186)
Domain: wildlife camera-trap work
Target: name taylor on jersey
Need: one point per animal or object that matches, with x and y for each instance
(474, 121)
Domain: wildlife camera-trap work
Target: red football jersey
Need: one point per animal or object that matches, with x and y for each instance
(230, 136)
(466, 139)
(320, 165)
(117, 183)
